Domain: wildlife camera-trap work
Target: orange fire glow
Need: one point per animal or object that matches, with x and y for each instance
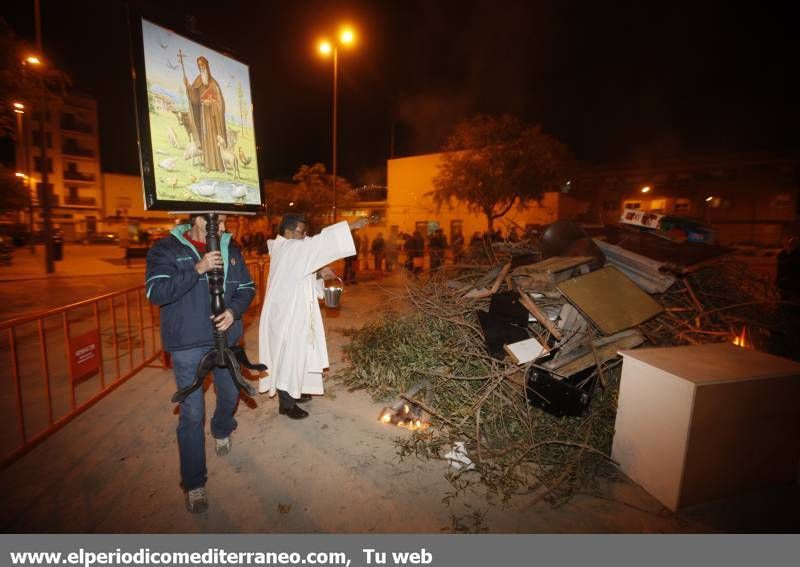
(741, 339)
(403, 417)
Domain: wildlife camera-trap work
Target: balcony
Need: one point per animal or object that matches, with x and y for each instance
(39, 201)
(75, 150)
(69, 123)
(80, 201)
(72, 175)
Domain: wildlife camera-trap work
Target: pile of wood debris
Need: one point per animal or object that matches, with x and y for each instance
(517, 364)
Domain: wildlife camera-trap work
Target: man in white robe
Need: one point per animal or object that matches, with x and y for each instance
(291, 336)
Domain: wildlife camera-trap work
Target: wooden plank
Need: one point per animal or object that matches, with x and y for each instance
(538, 314)
(481, 293)
(575, 328)
(536, 282)
(602, 350)
(554, 265)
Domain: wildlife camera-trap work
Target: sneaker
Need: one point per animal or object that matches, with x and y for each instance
(222, 446)
(197, 500)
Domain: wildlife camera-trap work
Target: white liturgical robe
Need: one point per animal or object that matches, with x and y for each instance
(291, 339)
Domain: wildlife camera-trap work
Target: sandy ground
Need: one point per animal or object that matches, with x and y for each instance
(114, 469)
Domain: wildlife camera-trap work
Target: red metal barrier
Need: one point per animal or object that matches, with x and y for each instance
(43, 394)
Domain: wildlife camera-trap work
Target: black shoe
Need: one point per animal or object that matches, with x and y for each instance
(293, 412)
(304, 398)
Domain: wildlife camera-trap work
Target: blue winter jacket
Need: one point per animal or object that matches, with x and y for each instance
(172, 283)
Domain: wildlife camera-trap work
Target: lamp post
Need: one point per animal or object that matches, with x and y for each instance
(346, 37)
(35, 62)
(23, 163)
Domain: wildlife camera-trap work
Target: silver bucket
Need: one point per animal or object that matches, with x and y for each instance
(333, 294)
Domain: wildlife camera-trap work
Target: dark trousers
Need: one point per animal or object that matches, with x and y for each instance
(350, 268)
(191, 422)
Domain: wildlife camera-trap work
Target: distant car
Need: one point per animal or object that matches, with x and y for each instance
(103, 238)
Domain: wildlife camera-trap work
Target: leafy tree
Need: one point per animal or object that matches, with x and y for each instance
(13, 87)
(494, 163)
(14, 195)
(20, 85)
(312, 194)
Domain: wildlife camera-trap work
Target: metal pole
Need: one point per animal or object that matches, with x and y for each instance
(20, 157)
(335, 81)
(29, 183)
(46, 213)
(45, 193)
(24, 143)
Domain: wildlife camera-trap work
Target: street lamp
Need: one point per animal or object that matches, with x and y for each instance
(346, 37)
(36, 63)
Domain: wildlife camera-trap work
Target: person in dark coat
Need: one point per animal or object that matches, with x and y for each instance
(438, 246)
(177, 281)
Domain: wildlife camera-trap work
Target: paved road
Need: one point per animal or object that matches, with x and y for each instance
(86, 271)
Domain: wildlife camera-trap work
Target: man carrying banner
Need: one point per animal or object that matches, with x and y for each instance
(177, 281)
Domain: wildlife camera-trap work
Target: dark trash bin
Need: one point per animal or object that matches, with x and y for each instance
(58, 246)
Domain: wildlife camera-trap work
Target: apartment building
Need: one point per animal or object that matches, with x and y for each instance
(70, 135)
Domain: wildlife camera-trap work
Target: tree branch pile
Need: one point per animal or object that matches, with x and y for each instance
(437, 355)
(480, 401)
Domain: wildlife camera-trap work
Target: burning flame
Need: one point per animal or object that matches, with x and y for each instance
(403, 417)
(741, 339)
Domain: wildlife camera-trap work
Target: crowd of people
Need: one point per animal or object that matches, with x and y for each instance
(400, 250)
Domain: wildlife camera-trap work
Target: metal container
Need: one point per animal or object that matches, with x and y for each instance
(333, 294)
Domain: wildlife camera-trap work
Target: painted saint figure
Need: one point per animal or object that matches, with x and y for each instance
(207, 111)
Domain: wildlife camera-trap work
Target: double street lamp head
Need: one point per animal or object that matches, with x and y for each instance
(346, 37)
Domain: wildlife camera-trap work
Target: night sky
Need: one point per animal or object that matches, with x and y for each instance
(614, 81)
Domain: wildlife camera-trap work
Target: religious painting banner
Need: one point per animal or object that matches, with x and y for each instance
(196, 127)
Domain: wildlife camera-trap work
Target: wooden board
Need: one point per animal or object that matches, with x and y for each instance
(610, 300)
(553, 265)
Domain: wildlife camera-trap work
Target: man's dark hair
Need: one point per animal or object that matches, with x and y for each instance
(290, 222)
